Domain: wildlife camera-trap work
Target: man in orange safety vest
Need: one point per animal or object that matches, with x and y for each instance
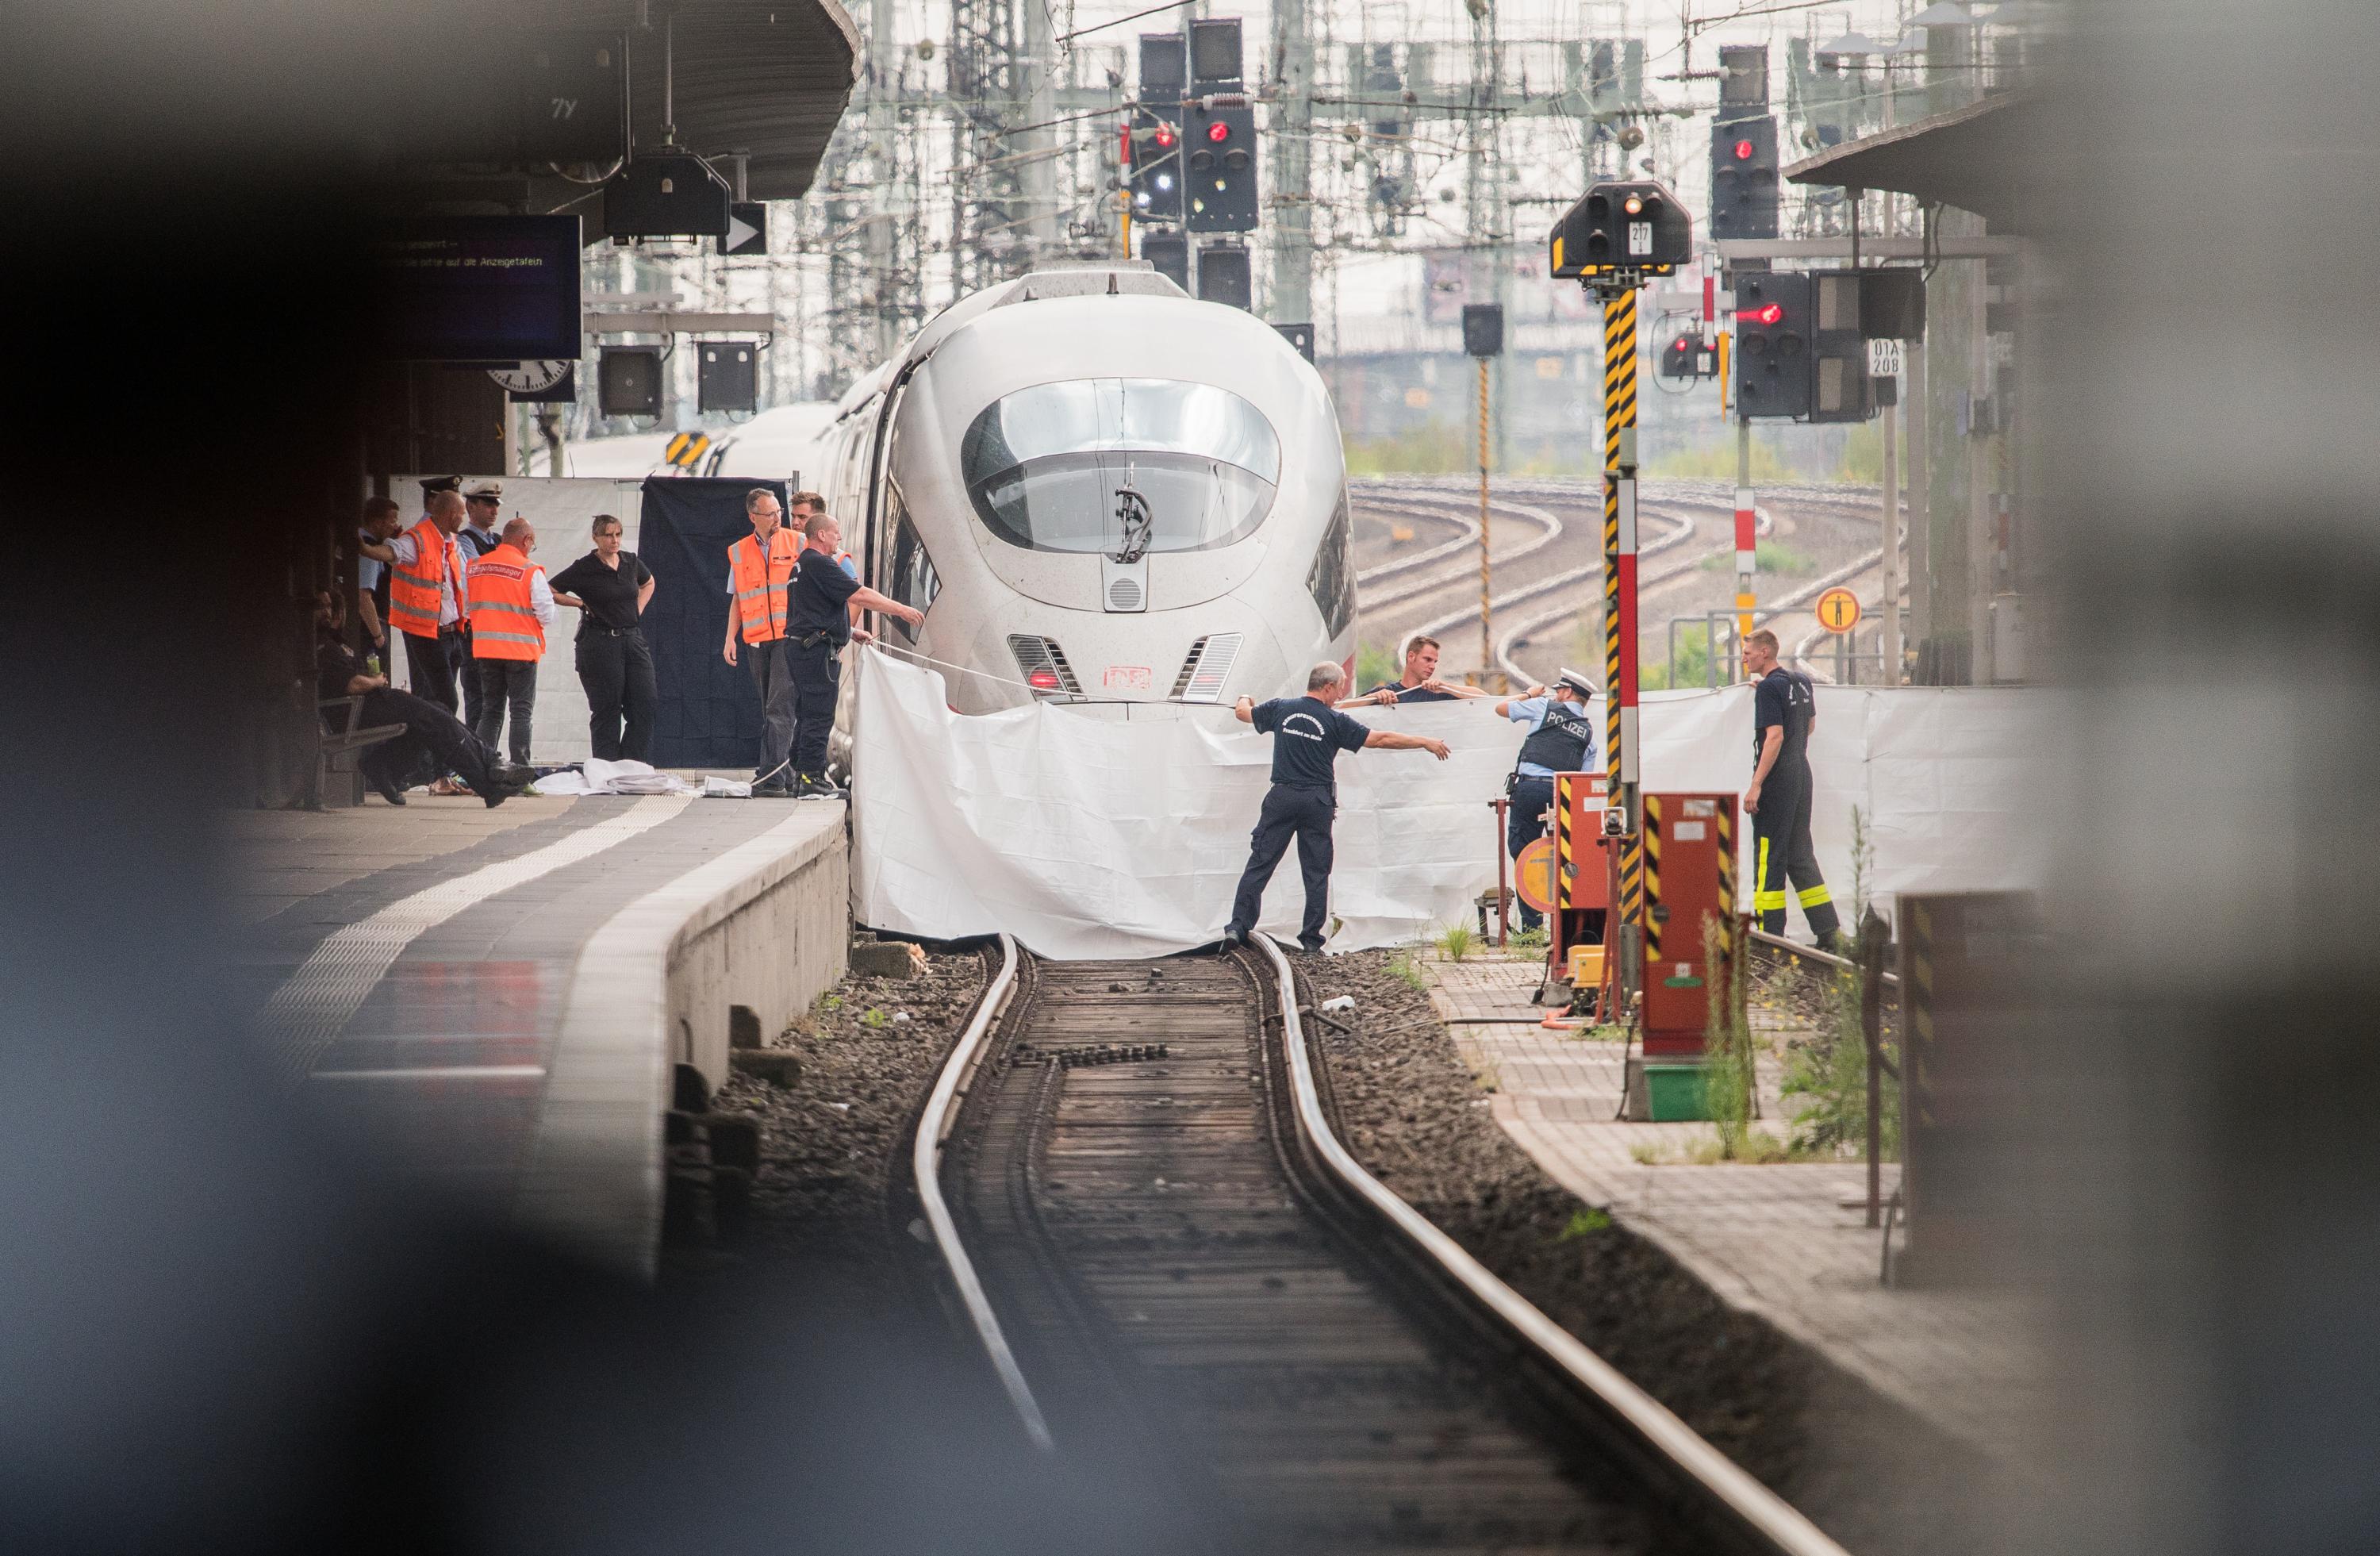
(511, 606)
(760, 566)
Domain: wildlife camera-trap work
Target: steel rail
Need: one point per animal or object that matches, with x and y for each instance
(1514, 637)
(1780, 946)
(1549, 529)
(926, 1161)
(1756, 1510)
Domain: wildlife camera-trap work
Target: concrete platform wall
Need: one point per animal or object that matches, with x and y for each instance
(765, 924)
(773, 942)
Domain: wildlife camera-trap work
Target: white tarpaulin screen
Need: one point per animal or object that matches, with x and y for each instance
(1088, 836)
(1091, 836)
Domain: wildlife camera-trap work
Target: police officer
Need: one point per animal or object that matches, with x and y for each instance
(1309, 734)
(817, 627)
(1783, 710)
(1561, 736)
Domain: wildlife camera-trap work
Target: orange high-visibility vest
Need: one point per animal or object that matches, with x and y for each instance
(504, 622)
(413, 586)
(760, 584)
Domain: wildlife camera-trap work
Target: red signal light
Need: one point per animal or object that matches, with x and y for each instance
(1165, 135)
(1219, 130)
(1043, 680)
(1743, 150)
(1772, 314)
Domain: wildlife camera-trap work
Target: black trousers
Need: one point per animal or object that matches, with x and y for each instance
(1304, 814)
(431, 671)
(434, 740)
(773, 678)
(505, 686)
(617, 668)
(1781, 851)
(817, 683)
(1524, 823)
(467, 676)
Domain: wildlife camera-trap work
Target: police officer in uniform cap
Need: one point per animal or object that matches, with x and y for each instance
(1783, 710)
(1562, 737)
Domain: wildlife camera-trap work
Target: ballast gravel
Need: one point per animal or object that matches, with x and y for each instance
(1874, 1475)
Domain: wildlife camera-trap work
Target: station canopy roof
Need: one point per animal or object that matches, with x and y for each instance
(768, 77)
(1977, 158)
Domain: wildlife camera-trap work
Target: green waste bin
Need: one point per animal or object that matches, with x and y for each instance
(1674, 1093)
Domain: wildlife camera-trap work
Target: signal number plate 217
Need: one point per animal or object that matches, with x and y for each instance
(1640, 239)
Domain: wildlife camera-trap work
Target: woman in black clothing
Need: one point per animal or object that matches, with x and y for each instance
(614, 666)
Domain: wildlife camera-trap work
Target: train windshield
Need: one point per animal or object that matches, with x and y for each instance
(1058, 466)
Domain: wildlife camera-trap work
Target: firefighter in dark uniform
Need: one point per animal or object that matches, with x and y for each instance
(1309, 734)
(1779, 797)
(818, 625)
(1561, 736)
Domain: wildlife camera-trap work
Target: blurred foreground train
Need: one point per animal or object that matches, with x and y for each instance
(1102, 490)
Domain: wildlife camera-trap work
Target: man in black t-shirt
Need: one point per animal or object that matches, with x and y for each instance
(1309, 734)
(1419, 683)
(1783, 710)
(817, 627)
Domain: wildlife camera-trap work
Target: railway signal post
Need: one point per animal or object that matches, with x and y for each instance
(1618, 237)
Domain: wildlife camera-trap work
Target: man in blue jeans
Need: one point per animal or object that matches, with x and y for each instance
(1309, 734)
(1562, 737)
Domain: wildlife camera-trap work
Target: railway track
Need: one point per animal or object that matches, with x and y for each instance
(1132, 1175)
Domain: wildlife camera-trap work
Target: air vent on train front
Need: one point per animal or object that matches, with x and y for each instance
(1044, 666)
(1124, 594)
(1207, 668)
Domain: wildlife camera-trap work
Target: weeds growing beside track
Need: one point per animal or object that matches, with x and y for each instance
(1455, 942)
(1730, 1069)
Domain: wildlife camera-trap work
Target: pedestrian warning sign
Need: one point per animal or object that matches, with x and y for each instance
(1838, 610)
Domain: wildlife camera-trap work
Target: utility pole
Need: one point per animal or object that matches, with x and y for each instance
(1487, 632)
(1915, 423)
(1887, 641)
(1037, 147)
(882, 70)
(1292, 211)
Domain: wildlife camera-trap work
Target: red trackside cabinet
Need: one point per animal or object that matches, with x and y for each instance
(1581, 868)
(1689, 881)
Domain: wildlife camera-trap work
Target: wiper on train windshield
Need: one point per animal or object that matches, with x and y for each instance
(1139, 524)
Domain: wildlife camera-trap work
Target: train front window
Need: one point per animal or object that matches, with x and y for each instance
(1057, 467)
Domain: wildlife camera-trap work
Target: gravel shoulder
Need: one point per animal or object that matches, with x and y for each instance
(829, 1143)
(1875, 1476)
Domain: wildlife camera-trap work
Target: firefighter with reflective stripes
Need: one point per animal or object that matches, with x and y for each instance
(511, 606)
(1561, 736)
(1784, 711)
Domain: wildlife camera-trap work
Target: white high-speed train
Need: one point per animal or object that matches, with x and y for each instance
(1100, 491)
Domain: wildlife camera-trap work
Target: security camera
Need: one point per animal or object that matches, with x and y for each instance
(1615, 822)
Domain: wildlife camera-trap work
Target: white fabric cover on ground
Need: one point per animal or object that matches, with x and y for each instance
(1090, 836)
(596, 776)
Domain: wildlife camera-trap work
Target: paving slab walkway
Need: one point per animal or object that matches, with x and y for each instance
(1779, 1240)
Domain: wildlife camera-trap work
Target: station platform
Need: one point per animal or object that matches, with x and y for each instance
(495, 1003)
(1786, 1241)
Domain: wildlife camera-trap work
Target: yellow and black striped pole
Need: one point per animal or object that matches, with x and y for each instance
(1620, 630)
